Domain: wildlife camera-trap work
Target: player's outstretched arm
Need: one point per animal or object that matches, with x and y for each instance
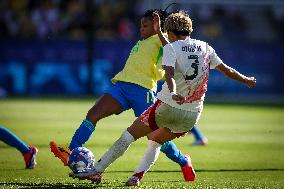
(157, 28)
(235, 75)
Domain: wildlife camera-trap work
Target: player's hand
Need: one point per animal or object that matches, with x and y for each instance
(178, 98)
(156, 22)
(250, 82)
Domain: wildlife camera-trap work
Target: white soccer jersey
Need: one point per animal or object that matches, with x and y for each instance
(192, 60)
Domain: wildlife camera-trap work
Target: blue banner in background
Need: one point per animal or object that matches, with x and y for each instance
(59, 67)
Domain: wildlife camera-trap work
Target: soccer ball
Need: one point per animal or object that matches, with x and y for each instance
(81, 159)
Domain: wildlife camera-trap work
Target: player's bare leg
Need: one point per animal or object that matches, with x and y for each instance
(105, 106)
(156, 139)
(138, 129)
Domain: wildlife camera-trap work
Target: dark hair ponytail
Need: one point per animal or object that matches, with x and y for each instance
(162, 13)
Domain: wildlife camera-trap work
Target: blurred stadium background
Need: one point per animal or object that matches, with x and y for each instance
(63, 48)
(74, 47)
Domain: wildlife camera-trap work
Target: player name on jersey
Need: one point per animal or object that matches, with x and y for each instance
(191, 48)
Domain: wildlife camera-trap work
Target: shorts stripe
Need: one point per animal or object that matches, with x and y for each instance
(148, 117)
(151, 120)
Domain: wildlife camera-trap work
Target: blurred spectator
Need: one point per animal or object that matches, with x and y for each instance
(3, 92)
(112, 19)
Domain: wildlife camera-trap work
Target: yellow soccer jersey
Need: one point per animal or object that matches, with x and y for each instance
(143, 66)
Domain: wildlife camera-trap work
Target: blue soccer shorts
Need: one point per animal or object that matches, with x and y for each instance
(132, 96)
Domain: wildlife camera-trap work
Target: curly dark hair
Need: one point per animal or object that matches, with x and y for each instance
(162, 13)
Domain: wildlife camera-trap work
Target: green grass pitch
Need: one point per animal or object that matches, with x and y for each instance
(246, 147)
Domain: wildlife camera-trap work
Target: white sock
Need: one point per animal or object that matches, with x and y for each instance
(150, 156)
(115, 151)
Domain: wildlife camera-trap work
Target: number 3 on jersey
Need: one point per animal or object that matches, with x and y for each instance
(194, 65)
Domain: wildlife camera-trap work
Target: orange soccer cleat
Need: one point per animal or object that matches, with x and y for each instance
(61, 152)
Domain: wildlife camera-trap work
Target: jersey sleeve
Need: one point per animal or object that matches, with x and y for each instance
(169, 56)
(158, 70)
(214, 58)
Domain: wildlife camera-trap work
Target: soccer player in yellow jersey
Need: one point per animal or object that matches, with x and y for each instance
(134, 88)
